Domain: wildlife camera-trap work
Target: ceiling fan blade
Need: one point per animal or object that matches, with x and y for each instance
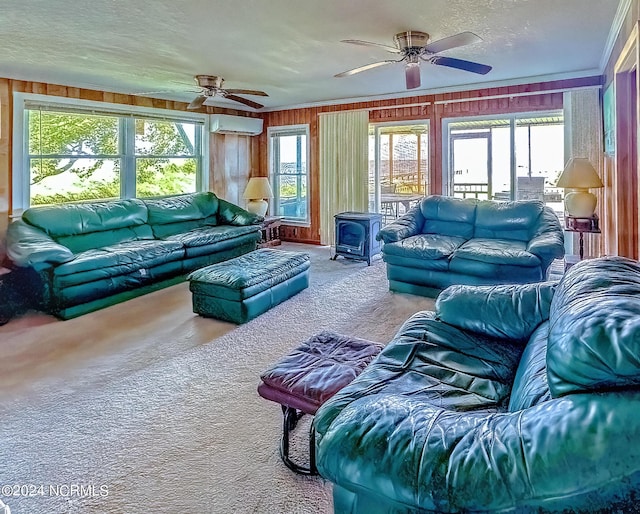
(363, 68)
(460, 64)
(412, 75)
(244, 101)
(462, 39)
(388, 48)
(197, 102)
(246, 92)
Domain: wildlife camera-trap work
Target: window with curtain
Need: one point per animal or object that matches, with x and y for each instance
(289, 172)
(72, 154)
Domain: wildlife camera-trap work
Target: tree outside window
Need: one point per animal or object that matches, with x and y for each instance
(77, 156)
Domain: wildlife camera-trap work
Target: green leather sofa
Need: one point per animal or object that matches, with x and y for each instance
(507, 398)
(92, 255)
(444, 241)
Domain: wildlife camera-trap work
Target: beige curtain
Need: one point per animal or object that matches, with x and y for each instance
(584, 138)
(344, 167)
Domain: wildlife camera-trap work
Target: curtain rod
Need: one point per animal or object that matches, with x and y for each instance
(470, 99)
(513, 95)
(378, 108)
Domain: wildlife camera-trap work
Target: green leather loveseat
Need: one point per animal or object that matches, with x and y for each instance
(91, 255)
(506, 399)
(444, 241)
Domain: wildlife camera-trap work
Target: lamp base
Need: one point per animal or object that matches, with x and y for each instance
(579, 203)
(258, 207)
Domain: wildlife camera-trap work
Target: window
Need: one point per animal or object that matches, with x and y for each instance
(398, 167)
(289, 172)
(87, 151)
(508, 157)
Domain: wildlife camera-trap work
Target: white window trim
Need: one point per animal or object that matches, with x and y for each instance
(20, 185)
(285, 128)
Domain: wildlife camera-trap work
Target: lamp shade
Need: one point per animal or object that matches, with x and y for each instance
(578, 176)
(257, 190)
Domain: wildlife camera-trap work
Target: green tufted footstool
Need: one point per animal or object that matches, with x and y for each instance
(240, 289)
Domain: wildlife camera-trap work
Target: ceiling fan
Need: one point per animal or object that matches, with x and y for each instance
(413, 46)
(211, 86)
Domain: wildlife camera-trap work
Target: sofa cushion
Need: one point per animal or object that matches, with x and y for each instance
(123, 258)
(492, 273)
(497, 251)
(173, 209)
(594, 340)
(439, 364)
(209, 235)
(81, 218)
(166, 230)
(84, 242)
(424, 246)
(449, 216)
(507, 220)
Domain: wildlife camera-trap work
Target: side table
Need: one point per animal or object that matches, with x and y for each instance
(581, 226)
(270, 232)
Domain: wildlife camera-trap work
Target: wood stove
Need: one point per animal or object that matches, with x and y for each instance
(356, 235)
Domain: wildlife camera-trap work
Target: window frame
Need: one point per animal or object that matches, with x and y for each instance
(290, 130)
(377, 127)
(512, 118)
(20, 189)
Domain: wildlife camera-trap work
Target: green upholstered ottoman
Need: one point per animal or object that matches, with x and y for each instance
(242, 288)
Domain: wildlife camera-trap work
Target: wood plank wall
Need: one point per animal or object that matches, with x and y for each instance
(233, 158)
(240, 152)
(619, 199)
(435, 108)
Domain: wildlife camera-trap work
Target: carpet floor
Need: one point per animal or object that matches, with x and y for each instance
(145, 407)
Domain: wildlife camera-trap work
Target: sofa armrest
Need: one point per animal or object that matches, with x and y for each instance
(547, 247)
(410, 224)
(547, 240)
(231, 214)
(560, 454)
(510, 312)
(30, 246)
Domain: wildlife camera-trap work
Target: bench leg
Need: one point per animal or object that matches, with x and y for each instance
(291, 417)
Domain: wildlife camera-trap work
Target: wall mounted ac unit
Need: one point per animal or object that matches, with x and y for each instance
(241, 125)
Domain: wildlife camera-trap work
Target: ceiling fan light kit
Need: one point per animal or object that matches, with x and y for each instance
(413, 46)
(211, 85)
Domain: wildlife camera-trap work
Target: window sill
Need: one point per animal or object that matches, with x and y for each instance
(294, 223)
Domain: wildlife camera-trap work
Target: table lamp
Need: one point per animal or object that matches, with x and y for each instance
(257, 190)
(578, 176)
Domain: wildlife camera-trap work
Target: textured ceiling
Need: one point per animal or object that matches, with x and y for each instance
(291, 48)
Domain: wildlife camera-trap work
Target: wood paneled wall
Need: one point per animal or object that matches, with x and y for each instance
(500, 100)
(239, 152)
(233, 160)
(621, 174)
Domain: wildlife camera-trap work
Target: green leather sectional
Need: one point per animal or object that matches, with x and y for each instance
(444, 241)
(507, 399)
(92, 255)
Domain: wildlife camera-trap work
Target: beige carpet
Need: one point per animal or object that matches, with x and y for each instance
(157, 409)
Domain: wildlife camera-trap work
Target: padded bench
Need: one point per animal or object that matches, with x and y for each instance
(311, 374)
(242, 288)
